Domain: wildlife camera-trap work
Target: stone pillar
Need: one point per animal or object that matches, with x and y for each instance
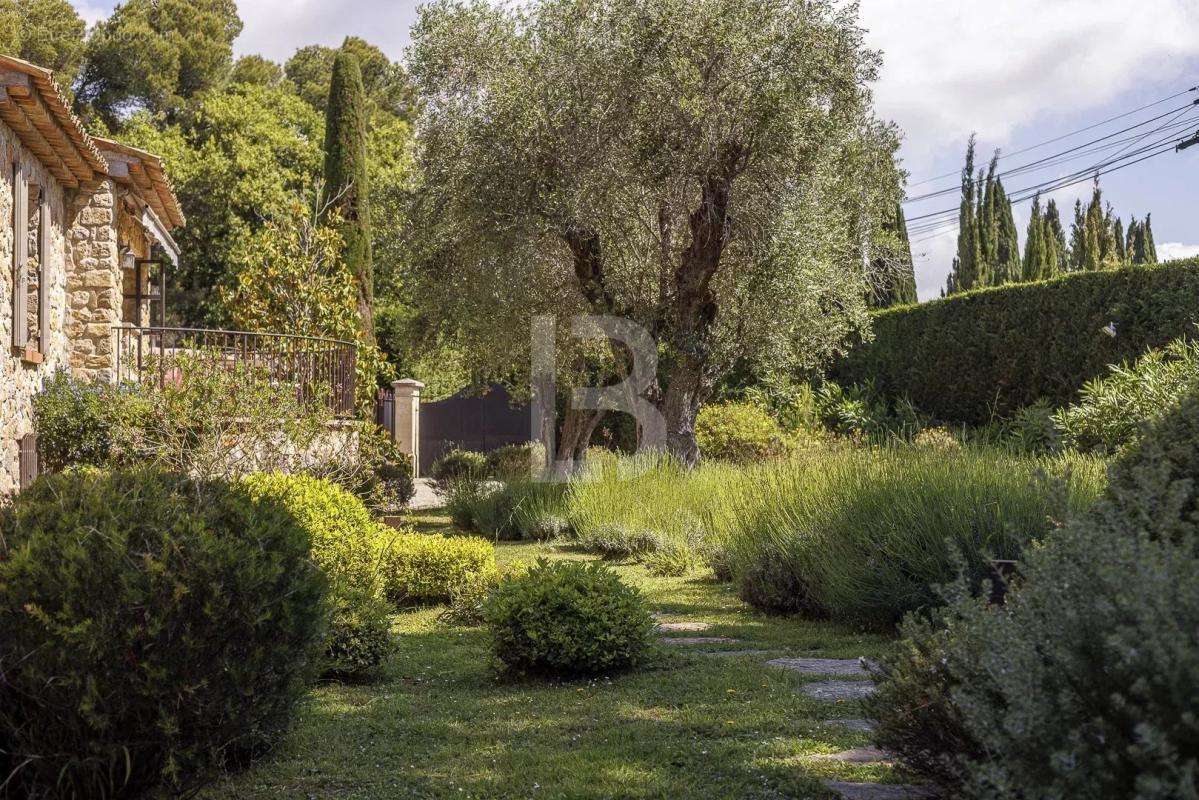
(406, 419)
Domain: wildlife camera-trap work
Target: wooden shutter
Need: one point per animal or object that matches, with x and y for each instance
(43, 274)
(20, 255)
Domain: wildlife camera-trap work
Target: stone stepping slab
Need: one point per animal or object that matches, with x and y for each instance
(684, 627)
(879, 791)
(834, 691)
(856, 725)
(847, 667)
(677, 640)
(734, 653)
(859, 755)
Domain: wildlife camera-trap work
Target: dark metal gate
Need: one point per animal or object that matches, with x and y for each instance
(481, 423)
(385, 404)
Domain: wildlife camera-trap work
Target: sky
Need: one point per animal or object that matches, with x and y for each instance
(1015, 72)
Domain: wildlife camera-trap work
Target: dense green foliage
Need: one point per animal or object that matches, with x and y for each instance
(865, 536)
(420, 568)
(740, 432)
(49, 33)
(519, 508)
(346, 179)
(968, 358)
(568, 619)
(82, 424)
(347, 545)
(1082, 684)
(152, 629)
(720, 261)
(456, 465)
(1112, 411)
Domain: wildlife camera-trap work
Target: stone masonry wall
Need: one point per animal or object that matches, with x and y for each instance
(94, 284)
(20, 380)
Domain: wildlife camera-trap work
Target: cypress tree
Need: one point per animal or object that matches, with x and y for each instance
(1094, 232)
(1121, 248)
(1078, 239)
(893, 277)
(1034, 266)
(988, 226)
(1007, 241)
(965, 273)
(346, 186)
(1150, 247)
(1055, 239)
(906, 290)
(1136, 242)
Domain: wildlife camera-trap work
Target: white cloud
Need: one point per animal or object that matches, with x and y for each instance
(1171, 250)
(951, 68)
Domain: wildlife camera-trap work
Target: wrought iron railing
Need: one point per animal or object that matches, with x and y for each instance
(318, 369)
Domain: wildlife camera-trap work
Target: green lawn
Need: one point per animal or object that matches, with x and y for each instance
(442, 725)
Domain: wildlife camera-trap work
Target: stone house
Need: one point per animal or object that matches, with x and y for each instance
(85, 239)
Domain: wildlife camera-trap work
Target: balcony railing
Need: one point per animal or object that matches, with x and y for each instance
(318, 369)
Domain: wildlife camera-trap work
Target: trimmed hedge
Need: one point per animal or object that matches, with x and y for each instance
(993, 351)
(420, 568)
(153, 630)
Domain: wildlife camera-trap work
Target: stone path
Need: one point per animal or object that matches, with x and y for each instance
(821, 666)
(859, 755)
(855, 725)
(879, 791)
(827, 690)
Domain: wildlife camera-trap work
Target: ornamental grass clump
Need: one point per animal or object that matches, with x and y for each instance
(154, 629)
(1083, 683)
(865, 535)
(568, 619)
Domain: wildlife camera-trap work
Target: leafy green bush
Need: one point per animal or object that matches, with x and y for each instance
(152, 629)
(83, 423)
(568, 619)
(1033, 429)
(360, 640)
(457, 465)
(383, 480)
(422, 568)
(346, 545)
(990, 352)
(1112, 411)
(865, 535)
(861, 412)
(468, 600)
(514, 461)
(738, 432)
(345, 540)
(522, 508)
(1083, 683)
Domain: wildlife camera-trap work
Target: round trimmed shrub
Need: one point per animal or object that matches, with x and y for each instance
(152, 629)
(346, 545)
(344, 537)
(420, 568)
(513, 461)
(360, 638)
(739, 432)
(568, 619)
(457, 465)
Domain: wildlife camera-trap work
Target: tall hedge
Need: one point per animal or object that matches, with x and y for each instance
(992, 351)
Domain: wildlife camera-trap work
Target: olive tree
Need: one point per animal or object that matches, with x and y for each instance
(705, 168)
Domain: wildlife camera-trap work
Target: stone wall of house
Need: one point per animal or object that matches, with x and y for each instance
(21, 379)
(94, 283)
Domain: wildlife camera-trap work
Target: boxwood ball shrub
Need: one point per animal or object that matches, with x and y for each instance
(1083, 683)
(457, 465)
(739, 432)
(420, 568)
(346, 545)
(152, 630)
(568, 619)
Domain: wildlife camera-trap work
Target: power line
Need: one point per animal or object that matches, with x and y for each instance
(1068, 135)
(1058, 158)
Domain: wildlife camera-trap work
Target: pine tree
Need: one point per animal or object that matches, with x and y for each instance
(345, 178)
(1034, 244)
(965, 273)
(1007, 243)
(1150, 247)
